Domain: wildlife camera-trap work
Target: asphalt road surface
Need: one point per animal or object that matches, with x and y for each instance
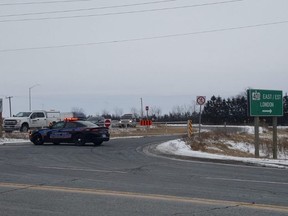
(122, 178)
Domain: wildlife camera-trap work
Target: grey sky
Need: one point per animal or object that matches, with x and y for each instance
(213, 47)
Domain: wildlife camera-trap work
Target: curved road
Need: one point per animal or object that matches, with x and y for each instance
(120, 178)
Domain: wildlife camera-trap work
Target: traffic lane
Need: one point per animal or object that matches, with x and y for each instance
(206, 187)
(47, 200)
(120, 166)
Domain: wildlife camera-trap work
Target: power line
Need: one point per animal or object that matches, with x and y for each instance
(43, 2)
(146, 38)
(122, 13)
(90, 9)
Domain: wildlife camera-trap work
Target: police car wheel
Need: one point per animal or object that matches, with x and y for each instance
(97, 143)
(38, 140)
(79, 139)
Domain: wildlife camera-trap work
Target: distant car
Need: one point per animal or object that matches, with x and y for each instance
(71, 131)
(98, 120)
(127, 120)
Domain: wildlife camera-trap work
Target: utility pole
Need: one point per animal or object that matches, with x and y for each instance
(141, 108)
(1, 123)
(30, 95)
(10, 109)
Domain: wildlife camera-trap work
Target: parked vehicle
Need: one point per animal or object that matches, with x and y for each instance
(71, 131)
(24, 121)
(98, 120)
(127, 120)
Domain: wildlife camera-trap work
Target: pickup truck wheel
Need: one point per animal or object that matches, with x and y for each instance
(24, 128)
(79, 139)
(37, 140)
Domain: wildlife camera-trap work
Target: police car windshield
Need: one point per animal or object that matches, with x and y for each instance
(23, 114)
(88, 124)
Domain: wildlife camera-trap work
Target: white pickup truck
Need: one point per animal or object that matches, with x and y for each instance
(23, 121)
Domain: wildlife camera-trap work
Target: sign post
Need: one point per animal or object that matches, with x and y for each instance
(107, 123)
(147, 109)
(265, 103)
(256, 131)
(200, 101)
(1, 123)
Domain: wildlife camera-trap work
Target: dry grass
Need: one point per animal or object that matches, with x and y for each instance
(146, 131)
(217, 142)
(16, 135)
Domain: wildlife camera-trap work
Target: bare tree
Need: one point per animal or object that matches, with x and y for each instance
(118, 111)
(177, 110)
(135, 112)
(155, 111)
(77, 109)
(105, 113)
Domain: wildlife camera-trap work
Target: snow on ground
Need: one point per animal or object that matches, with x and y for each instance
(4, 141)
(179, 147)
(242, 146)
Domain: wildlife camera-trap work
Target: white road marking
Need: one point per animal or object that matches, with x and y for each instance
(247, 180)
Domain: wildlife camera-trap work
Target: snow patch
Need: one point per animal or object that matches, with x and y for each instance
(9, 140)
(179, 147)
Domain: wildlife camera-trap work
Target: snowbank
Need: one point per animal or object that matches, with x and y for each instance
(179, 147)
(9, 140)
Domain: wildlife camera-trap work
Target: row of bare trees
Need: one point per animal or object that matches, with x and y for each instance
(217, 110)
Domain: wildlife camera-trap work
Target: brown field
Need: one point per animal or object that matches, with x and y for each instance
(147, 131)
(216, 142)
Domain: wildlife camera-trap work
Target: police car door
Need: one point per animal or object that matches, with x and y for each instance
(56, 134)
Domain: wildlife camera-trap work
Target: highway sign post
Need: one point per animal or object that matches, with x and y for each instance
(265, 103)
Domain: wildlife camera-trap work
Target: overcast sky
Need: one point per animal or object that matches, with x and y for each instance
(107, 54)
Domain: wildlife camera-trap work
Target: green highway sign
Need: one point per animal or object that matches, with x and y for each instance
(265, 102)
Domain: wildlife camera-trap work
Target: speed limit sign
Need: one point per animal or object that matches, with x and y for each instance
(201, 100)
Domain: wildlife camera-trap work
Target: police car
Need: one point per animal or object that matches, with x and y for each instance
(71, 130)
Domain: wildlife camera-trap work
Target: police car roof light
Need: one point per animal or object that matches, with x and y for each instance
(71, 119)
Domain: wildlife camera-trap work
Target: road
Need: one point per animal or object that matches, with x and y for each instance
(119, 178)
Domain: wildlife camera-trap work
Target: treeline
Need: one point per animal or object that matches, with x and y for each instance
(233, 111)
(216, 110)
(229, 111)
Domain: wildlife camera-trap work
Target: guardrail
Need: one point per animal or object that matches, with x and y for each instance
(195, 127)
